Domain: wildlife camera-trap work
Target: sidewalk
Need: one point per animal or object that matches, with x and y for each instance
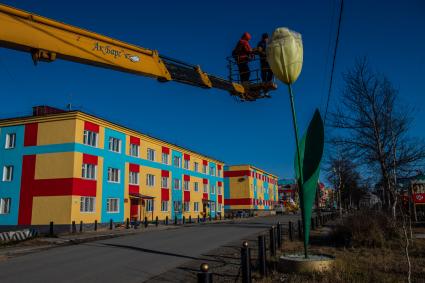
(44, 243)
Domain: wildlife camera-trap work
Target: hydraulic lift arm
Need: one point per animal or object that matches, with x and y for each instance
(47, 40)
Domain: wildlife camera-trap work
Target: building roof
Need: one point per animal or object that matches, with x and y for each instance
(92, 118)
(254, 167)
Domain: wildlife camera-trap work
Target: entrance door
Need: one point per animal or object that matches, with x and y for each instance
(134, 210)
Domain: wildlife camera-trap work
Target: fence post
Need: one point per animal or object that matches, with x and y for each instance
(190, 219)
(300, 233)
(262, 255)
(127, 223)
(81, 226)
(290, 231)
(166, 220)
(95, 225)
(204, 276)
(110, 224)
(51, 232)
(279, 235)
(272, 241)
(220, 216)
(245, 263)
(198, 218)
(175, 219)
(74, 228)
(184, 219)
(210, 217)
(146, 222)
(156, 221)
(313, 225)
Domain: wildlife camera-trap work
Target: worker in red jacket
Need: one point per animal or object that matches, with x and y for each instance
(243, 53)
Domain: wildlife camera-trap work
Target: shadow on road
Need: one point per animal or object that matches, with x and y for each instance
(156, 252)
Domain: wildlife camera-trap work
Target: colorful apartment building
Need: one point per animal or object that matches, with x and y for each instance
(71, 166)
(248, 188)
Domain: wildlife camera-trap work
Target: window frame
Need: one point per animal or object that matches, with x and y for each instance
(149, 178)
(179, 159)
(149, 205)
(131, 150)
(165, 158)
(86, 170)
(8, 173)
(115, 142)
(166, 206)
(150, 154)
(178, 182)
(108, 205)
(196, 206)
(92, 203)
(5, 205)
(111, 171)
(196, 186)
(87, 138)
(136, 175)
(186, 206)
(164, 180)
(8, 139)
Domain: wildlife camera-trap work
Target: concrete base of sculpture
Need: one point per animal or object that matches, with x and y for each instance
(298, 263)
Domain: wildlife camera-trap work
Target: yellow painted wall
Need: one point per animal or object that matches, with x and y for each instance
(58, 165)
(56, 132)
(154, 191)
(53, 208)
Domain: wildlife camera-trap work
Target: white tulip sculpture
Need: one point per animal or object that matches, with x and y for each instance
(285, 57)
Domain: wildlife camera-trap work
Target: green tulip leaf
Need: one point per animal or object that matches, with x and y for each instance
(311, 151)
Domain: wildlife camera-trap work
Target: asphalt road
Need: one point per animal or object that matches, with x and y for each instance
(133, 258)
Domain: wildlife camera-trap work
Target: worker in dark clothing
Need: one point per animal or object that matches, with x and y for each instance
(266, 72)
(243, 53)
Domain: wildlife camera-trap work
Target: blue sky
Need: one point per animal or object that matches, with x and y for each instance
(390, 33)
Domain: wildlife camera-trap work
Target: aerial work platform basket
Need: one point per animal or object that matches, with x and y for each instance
(257, 86)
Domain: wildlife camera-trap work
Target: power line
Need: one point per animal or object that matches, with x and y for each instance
(334, 59)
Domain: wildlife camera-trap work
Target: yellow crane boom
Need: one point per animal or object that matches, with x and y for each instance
(47, 40)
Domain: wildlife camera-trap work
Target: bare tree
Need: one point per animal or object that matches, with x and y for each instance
(373, 129)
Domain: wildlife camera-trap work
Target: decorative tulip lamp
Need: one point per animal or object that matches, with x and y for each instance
(285, 57)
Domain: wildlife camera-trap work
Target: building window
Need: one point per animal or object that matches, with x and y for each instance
(165, 158)
(219, 190)
(112, 205)
(212, 206)
(186, 185)
(219, 173)
(186, 164)
(177, 206)
(219, 207)
(113, 175)
(10, 141)
(212, 171)
(134, 150)
(205, 189)
(204, 169)
(151, 154)
(150, 180)
(212, 189)
(177, 161)
(164, 182)
(7, 173)
(149, 205)
(5, 205)
(177, 184)
(134, 178)
(195, 186)
(195, 166)
(114, 144)
(196, 206)
(87, 204)
(164, 205)
(88, 171)
(90, 138)
(186, 206)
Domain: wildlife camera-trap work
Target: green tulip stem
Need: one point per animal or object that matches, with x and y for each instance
(300, 172)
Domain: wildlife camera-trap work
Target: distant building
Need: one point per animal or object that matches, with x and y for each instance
(370, 200)
(248, 188)
(288, 191)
